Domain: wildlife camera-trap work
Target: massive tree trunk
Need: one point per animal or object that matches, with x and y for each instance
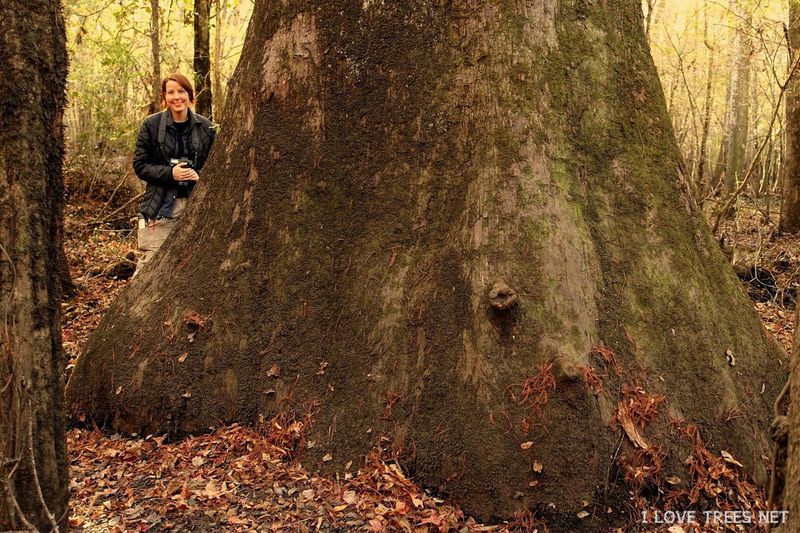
(33, 458)
(790, 213)
(420, 217)
(202, 57)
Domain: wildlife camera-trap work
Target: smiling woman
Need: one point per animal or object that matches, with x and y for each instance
(171, 149)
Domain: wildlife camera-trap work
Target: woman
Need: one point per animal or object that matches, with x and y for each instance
(171, 150)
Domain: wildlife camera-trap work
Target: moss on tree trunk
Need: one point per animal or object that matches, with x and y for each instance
(381, 167)
(33, 456)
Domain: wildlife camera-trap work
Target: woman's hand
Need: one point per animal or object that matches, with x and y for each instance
(181, 172)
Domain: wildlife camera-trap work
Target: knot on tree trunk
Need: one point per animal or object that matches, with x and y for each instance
(502, 297)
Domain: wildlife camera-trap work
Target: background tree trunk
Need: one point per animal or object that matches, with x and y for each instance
(202, 57)
(219, 23)
(155, 47)
(381, 168)
(790, 213)
(33, 459)
(737, 121)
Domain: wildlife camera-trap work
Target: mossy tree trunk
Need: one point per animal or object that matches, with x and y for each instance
(33, 458)
(381, 167)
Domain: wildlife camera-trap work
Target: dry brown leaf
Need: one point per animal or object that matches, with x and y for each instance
(526, 445)
(537, 467)
(729, 459)
(625, 421)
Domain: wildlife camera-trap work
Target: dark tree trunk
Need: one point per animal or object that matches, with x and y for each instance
(413, 208)
(790, 214)
(155, 49)
(202, 57)
(33, 459)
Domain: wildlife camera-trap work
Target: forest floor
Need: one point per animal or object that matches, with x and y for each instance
(249, 478)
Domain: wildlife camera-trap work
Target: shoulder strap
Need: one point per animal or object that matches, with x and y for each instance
(162, 127)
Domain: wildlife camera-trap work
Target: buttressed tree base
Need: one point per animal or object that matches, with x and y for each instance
(461, 226)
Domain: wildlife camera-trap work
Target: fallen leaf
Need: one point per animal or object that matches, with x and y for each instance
(273, 372)
(198, 461)
(119, 389)
(582, 515)
(674, 480)
(349, 497)
(212, 490)
(327, 457)
(339, 508)
(537, 467)
(730, 357)
(625, 421)
(676, 529)
(182, 357)
(526, 445)
(729, 459)
(400, 507)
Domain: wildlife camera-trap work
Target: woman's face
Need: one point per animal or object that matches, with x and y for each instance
(176, 97)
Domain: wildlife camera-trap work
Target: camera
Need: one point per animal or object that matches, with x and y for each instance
(189, 163)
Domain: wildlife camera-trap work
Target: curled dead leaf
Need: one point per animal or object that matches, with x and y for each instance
(526, 445)
(625, 421)
(728, 458)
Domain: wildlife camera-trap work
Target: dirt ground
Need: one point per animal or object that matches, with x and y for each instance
(251, 478)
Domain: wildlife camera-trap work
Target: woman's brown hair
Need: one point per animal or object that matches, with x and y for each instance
(181, 80)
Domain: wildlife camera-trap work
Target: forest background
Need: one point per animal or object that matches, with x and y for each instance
(724, 67)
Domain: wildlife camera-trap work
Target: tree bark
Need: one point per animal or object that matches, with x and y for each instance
(737, 121)
(202, 58)
(33, 458)
(418, 217)
(703, 163)
(219, 24)
(155, 48)
(790, 214)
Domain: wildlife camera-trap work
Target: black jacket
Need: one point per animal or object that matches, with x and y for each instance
(156, 145)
